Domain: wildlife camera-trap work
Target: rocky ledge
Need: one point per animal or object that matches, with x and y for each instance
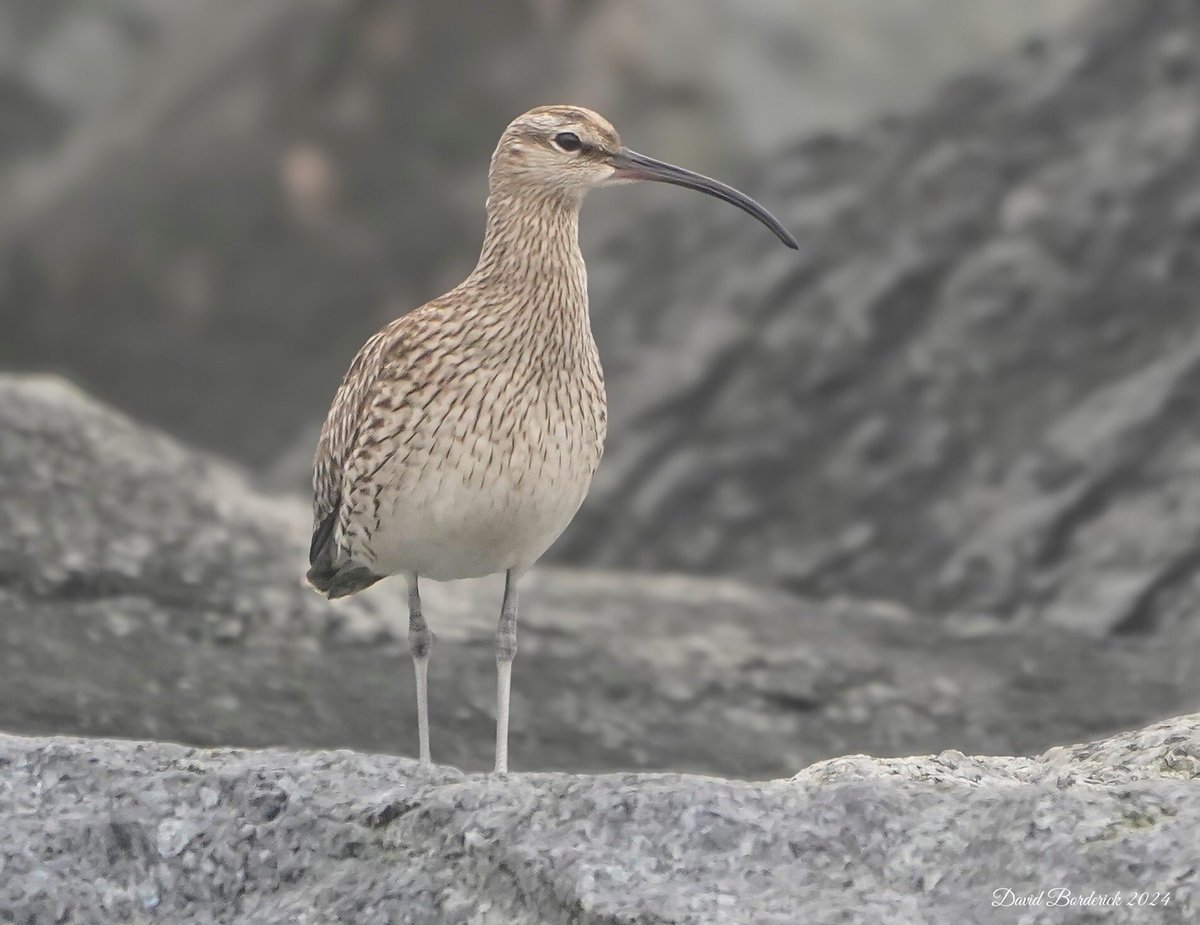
(112, 831)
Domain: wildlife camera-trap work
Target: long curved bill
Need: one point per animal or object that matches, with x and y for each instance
(630, 165)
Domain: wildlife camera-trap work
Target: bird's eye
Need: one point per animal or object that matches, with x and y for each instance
(567, 141)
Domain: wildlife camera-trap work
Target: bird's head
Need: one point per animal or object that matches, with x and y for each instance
(570, 150)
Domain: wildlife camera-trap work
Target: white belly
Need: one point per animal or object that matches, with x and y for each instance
(467, 530)
(468, 501)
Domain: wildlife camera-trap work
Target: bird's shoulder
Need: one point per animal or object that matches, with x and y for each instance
(371, 368)
(388, 376)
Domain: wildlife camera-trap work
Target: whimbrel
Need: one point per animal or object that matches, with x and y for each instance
(465, 434)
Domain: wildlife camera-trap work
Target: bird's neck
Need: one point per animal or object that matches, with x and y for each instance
(531, 247)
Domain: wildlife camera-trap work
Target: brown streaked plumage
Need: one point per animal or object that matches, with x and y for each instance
(465, 434)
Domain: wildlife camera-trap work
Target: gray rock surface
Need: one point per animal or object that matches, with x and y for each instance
(146, 592)
(975, 386)
(103, 831)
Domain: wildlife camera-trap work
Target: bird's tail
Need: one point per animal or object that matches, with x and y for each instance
(331, 572)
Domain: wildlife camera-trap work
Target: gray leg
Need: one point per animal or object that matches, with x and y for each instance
(420, 641)
(506, 651)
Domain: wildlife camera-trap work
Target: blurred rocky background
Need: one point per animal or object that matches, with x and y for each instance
(206, 208)
(932, 482)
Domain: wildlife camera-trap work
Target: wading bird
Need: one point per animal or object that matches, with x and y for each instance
(465, 434)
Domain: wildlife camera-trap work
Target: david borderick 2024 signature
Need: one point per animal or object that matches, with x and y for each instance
(1065, 896)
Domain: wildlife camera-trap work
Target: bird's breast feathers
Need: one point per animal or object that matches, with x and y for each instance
(475, 476)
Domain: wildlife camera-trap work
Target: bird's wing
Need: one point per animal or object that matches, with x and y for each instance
(343, 425)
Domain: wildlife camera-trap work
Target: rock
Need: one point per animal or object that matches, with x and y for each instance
(146, 592)
(983, 362)
(113, 831)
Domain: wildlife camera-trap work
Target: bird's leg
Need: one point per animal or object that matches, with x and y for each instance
(420, 641)
(506, 651)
